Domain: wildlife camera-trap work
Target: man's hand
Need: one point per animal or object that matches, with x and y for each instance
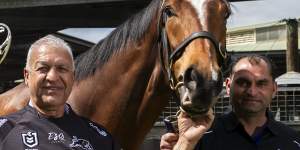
(192, 129)
(168, 141)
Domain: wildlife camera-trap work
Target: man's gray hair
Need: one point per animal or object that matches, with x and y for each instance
(48, 40)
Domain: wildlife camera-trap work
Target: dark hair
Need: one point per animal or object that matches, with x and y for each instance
(254, 59)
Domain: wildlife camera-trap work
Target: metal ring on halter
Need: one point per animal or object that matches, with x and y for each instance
(6, 43)
(175, 87)
(172, 82)
(162, 4)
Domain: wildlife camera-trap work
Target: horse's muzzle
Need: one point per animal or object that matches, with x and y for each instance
(198, 94)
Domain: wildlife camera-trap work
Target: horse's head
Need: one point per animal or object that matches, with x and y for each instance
(193, 37)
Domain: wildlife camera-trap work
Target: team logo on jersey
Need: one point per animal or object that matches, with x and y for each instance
(101, 132)
(81, 143)
(56, 137)
(30, 139)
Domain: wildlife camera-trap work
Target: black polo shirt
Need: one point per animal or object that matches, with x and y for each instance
(227, 133)
(28, 130)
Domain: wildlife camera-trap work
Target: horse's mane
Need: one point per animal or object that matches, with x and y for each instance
(129, 32)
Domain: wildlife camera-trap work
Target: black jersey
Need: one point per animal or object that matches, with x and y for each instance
(28, 130)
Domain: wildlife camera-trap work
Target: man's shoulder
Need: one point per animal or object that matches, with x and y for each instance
(283, 129)
(3, 121)
(8, 122)
(101, 130)
(11, 118)
(224, 120)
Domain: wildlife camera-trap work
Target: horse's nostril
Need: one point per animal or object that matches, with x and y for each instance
(191, 78)
(180, 78)
(191, 85)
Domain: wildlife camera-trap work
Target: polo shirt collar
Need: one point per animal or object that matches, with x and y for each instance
(231, 122)
(272, 125)
(67, 108)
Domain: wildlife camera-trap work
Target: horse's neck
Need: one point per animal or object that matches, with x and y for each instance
(154, 100)
(123, 94)
(15, 99)
(118, 86)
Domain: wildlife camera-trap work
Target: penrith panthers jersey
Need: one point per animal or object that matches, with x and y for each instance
(28, 130)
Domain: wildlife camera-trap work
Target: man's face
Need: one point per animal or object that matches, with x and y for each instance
(251, 87)
(50, 76)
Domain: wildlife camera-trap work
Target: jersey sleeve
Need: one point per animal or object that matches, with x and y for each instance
(103, 131)
(5, 127)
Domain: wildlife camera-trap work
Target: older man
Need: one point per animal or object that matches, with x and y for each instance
(48, 122)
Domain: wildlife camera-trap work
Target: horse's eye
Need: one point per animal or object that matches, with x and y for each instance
(227, 14)
(169, 11)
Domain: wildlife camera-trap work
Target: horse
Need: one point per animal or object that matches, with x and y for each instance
(171, 47)
(13, 100)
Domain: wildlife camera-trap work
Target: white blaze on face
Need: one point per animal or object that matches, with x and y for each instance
(199, 7)
(214, 74)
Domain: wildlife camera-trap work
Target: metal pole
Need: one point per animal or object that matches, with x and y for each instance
(292, 45)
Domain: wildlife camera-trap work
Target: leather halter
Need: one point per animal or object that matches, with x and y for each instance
(4, 47)
(174, 55)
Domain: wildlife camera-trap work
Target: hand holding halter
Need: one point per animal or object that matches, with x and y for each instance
(5, 37)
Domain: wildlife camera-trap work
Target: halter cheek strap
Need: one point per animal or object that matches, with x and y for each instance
(173, 55)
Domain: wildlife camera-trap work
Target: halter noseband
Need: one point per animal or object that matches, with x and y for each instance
(177, 53)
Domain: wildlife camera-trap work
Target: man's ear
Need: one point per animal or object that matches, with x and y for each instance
(26, 76)
(228, 84)
(275, 86)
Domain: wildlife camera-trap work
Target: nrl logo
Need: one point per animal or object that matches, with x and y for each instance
(30, 139)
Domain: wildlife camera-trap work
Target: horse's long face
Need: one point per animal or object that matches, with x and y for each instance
(197, 56)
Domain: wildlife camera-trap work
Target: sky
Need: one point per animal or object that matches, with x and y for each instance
(93, 35)
(244, 14)
(262, 11)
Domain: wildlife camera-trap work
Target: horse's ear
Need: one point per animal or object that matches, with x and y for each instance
(275, 87)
